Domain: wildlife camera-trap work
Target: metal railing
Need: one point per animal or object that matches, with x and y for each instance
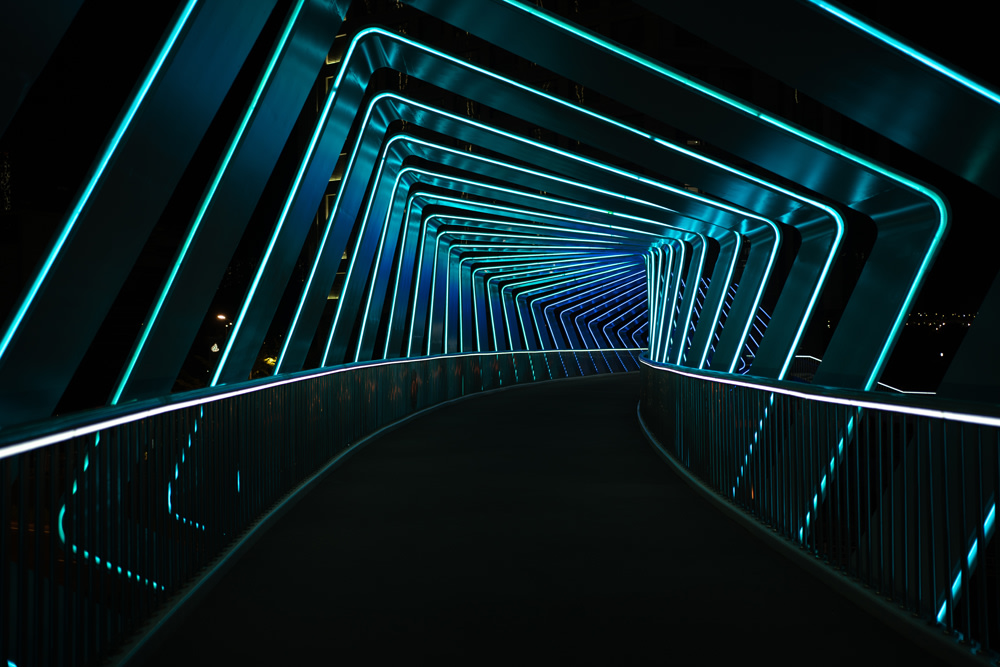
(898, 492)
(108, 514)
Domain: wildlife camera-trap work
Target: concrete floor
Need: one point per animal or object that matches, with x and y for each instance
(534, 525)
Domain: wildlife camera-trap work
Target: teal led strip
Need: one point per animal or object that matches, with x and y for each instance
(466, 203)
(815, 140)
(86, 555)
(95, 178)
(482, 205)
(464, 247)
(718, 312)
(293, 191)
(385, 34)
(580, 292)
(570, 269)
(906, 49)
(612, 288)
(569, 290)
(206, 201)
(506, 296)
(536, 298)
(676, 191)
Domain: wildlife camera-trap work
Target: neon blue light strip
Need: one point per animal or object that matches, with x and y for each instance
(582, 268)
(665, 255)
(614, 289)
(971, 559)
(234, 143)
(609, 272)
(449, 281)
(569, 282)
(581, 295)
(570, 233)
(465, 246)
(670, 312)
(690, 296)
(86, 555)
(907, 50)
(536, 174)
(641, 306)
(714, 318)
(576, 262)
(639, 299)
(776, 122)
(317, 134)
(568, 275)
(516, 211)
(109, 152)
(552, 291)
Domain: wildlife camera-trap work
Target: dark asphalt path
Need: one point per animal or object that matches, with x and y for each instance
(530, 526)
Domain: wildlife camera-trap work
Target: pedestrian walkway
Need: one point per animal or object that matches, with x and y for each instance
(533, 525)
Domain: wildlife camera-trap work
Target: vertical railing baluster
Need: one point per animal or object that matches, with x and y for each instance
(946, 515)
(867, 518)
(964, 541)
(983, 629)
(891, 574)
(919, 495)
(930, 508)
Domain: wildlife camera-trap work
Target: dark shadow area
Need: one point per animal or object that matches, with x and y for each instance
(531, 526)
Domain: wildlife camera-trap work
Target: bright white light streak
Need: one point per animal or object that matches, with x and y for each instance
(100, 424)
(869, 404)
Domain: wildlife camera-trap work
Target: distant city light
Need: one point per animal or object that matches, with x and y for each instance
(220, 317)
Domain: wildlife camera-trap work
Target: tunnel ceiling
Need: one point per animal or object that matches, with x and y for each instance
(264, 187)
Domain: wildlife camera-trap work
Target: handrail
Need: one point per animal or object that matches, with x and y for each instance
(899, 492)
(926, 405)
(106, 515)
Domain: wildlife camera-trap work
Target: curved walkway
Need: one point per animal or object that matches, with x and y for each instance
(534, 525)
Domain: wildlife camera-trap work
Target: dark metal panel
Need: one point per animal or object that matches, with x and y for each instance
(860, 76)
(29, 33)
(62, 317)
(644, 89)
(383, 110)
(762, 138)
(678, 345)
(972, 375)
(793, 311)
(869, 325)
(756, 273)
(717, 289)
(377, 48)
(172, 327)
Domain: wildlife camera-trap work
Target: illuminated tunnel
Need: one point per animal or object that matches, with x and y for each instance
(264, 188)
(441, 232)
